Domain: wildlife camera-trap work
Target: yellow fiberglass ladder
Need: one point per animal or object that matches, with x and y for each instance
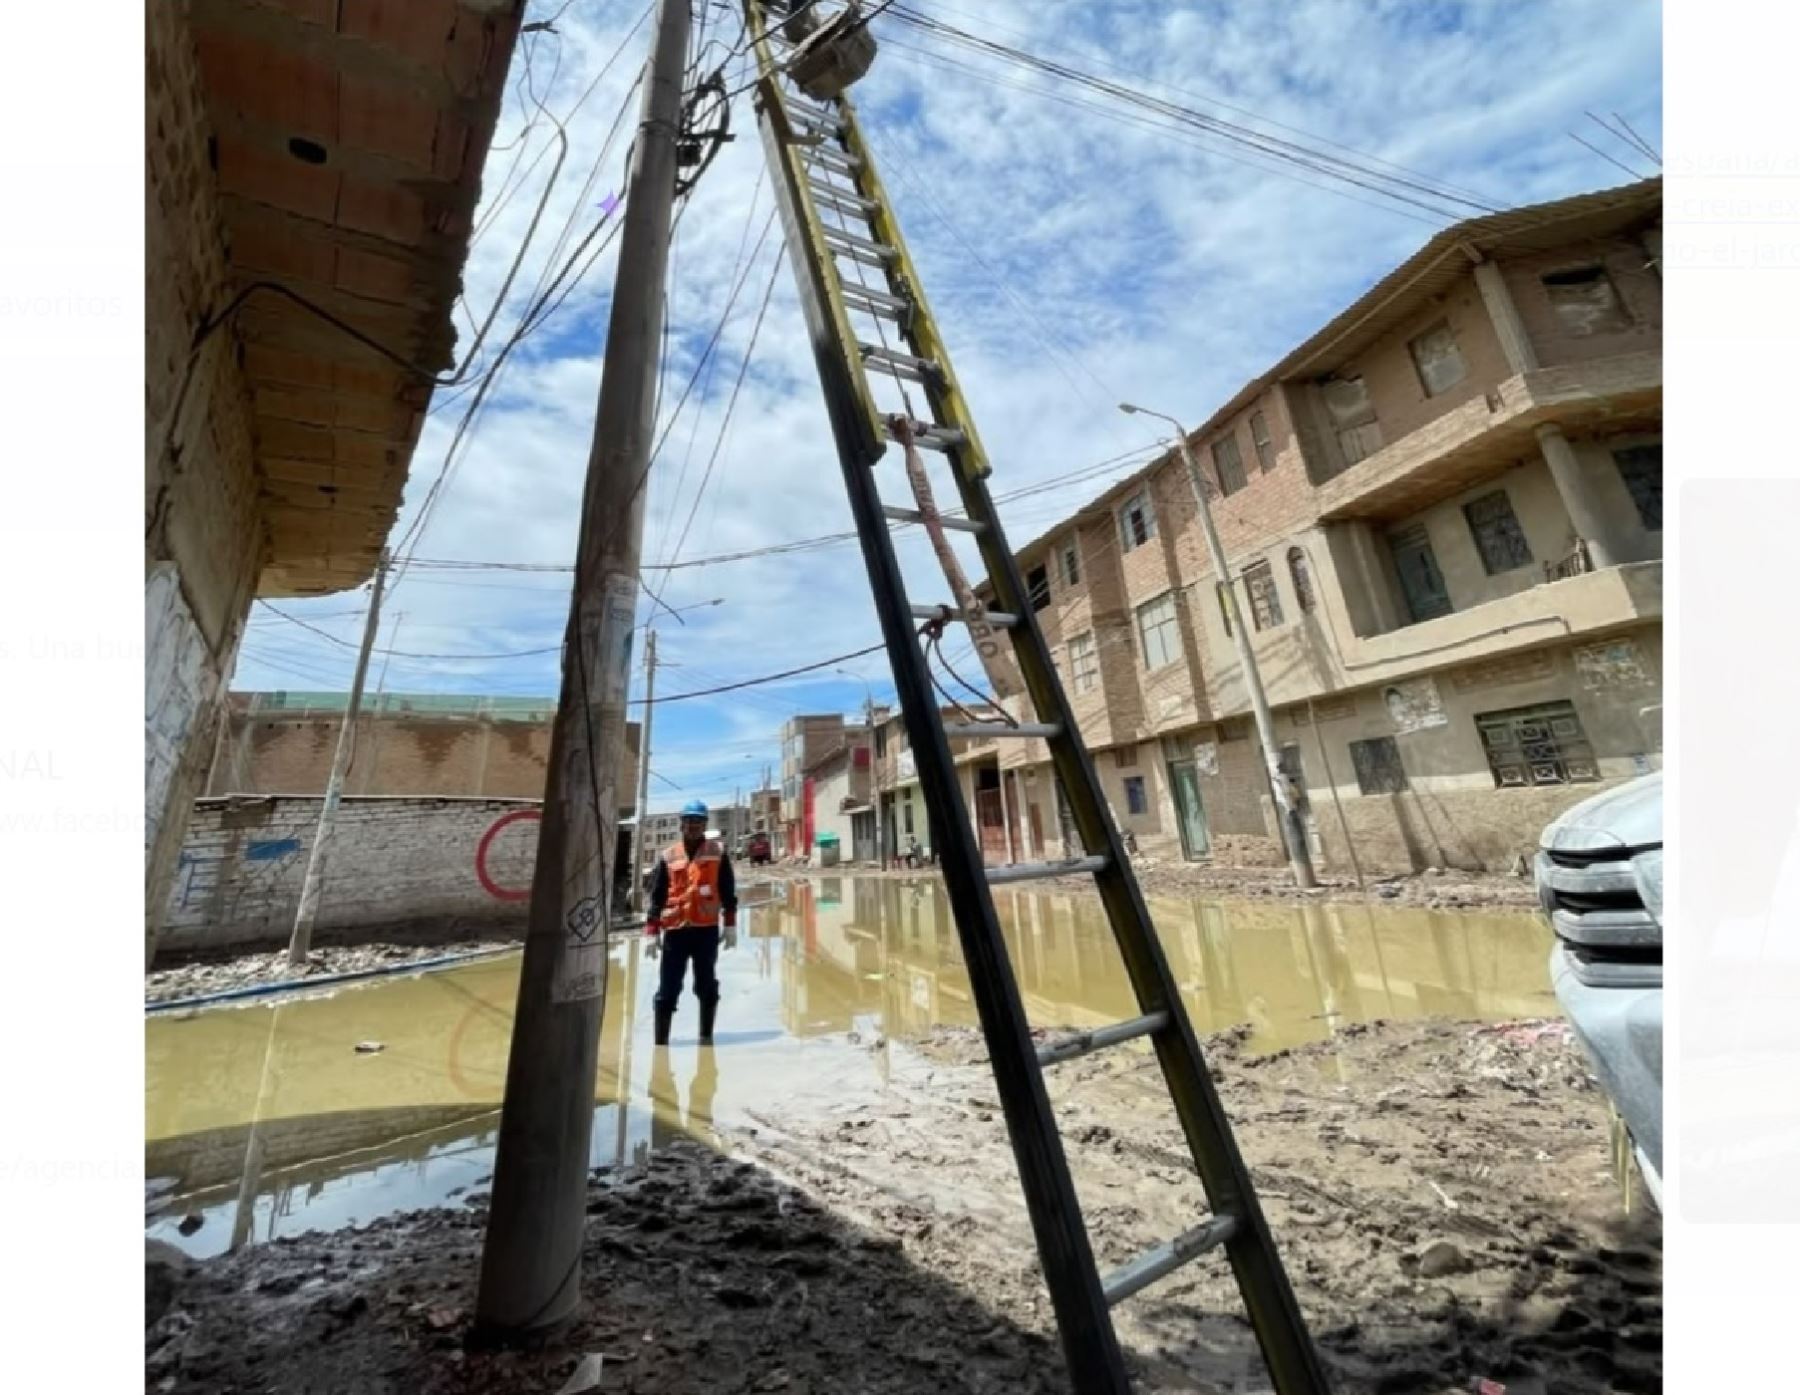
(874, 338)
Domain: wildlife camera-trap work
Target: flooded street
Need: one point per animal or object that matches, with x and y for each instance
(265, 1121)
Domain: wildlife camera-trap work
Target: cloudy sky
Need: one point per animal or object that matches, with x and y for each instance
(1075, 252)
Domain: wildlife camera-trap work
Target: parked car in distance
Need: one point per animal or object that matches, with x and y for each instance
(1600, 880)
(757, 849)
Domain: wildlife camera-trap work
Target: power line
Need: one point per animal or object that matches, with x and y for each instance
(766, 678)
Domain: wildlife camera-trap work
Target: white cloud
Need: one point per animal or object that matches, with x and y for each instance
(1153, 267)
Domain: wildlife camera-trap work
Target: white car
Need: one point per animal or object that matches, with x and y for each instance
(1600, 880)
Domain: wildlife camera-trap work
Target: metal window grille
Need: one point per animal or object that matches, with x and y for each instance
(1641, 469)
(1541, 745)
(1136, 801)
(1265, 602)
(1498, 536)
(1071, 565)
(1301, 575)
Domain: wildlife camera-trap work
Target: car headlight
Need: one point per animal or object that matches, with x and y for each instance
(1647, 872)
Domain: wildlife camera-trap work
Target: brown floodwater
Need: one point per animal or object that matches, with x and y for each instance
(265, 1120)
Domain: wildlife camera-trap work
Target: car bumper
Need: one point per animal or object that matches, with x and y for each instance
(1617, 1013)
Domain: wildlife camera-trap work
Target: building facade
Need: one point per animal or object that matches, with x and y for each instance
(335, 153)
(1442, 519)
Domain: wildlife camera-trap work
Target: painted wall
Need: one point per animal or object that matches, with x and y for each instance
(450, 866)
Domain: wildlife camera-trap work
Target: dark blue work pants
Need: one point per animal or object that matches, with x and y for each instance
(695, 944)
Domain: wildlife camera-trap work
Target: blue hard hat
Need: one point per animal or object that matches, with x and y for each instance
(694, 809)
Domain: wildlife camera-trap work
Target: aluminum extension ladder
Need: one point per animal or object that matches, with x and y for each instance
(826, 186)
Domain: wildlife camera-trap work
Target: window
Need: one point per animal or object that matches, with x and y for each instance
(1157, 629)
(1037, 587)
(1352, 417)
(1378, 768)
(1084, 663)
(1542, 745)
(1265, 604)
(1228, 464)
(1125, 757)
(1259, 436)
(859, 757)
(1071, 564)
(907, 817)
(1641, 469)
(1427, 597)
(1498, 536)
(1137, 524)
(1301, 576)
(1438, 360)
(881, 741)
(1586, 302)
(1136, 800)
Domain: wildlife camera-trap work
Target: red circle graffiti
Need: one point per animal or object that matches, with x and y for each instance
(488, 884)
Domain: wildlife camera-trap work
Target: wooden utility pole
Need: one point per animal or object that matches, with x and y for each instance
(301, 940)
(531, 1255)
(639, 830)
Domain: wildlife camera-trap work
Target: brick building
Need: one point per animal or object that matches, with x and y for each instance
(805, 741)
(299, 159)
(1442, 516)
(406, 744)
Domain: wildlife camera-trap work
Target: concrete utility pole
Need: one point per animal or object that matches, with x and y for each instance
(638, 831)
(531, 1255)
(1293, 831)
(301, 940)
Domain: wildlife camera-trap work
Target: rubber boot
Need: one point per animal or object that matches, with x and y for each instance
(708, 1011)
(665, 1018)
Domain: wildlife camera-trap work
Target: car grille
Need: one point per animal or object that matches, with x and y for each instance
(1594, 903)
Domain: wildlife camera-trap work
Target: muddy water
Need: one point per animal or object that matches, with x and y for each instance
(265, 1121)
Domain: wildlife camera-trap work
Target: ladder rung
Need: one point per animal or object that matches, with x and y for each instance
(956, 525)
(842, 198)
(809, 111)
(1037, 871)
(971, 730)
(859, 249)
(824, 125)
(999, 619)
(935, 437)
(1162, 1259)
(831, 157)
(919, 370)
(873, 302)
(1069, 1048)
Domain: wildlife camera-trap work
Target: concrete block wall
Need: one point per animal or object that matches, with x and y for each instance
(1626, 260)
(394, 864)
(204, 541)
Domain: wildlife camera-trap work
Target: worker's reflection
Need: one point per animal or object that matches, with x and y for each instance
(668, 1120)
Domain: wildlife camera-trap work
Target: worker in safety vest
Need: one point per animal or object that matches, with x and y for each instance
(692, 889)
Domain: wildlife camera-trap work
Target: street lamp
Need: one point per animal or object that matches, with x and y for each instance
(1293, 834)
(874, 765)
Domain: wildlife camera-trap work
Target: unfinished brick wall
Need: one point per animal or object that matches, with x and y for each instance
(394, 864)
(413, 754)
(203, 539)
(1626, 260)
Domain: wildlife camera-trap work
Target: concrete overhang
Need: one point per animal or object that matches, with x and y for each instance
(348, 138)
(1474, 441)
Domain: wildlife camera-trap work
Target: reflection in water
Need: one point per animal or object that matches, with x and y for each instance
(268, 1122)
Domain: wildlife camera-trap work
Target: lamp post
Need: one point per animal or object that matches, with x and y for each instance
(1293, 834)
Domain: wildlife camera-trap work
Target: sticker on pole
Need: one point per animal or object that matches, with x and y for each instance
(617, 613)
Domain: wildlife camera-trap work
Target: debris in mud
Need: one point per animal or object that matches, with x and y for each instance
(369, 1048)
(199, 976)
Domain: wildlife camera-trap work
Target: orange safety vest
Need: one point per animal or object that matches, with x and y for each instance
(693, 885)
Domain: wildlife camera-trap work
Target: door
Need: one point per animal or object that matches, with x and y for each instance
(1190, 815)
(1427, 597)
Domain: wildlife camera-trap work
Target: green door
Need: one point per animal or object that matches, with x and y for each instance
(1189, 814)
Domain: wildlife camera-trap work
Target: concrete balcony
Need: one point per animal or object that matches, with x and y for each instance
(1471, 442)
(1589, 604)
